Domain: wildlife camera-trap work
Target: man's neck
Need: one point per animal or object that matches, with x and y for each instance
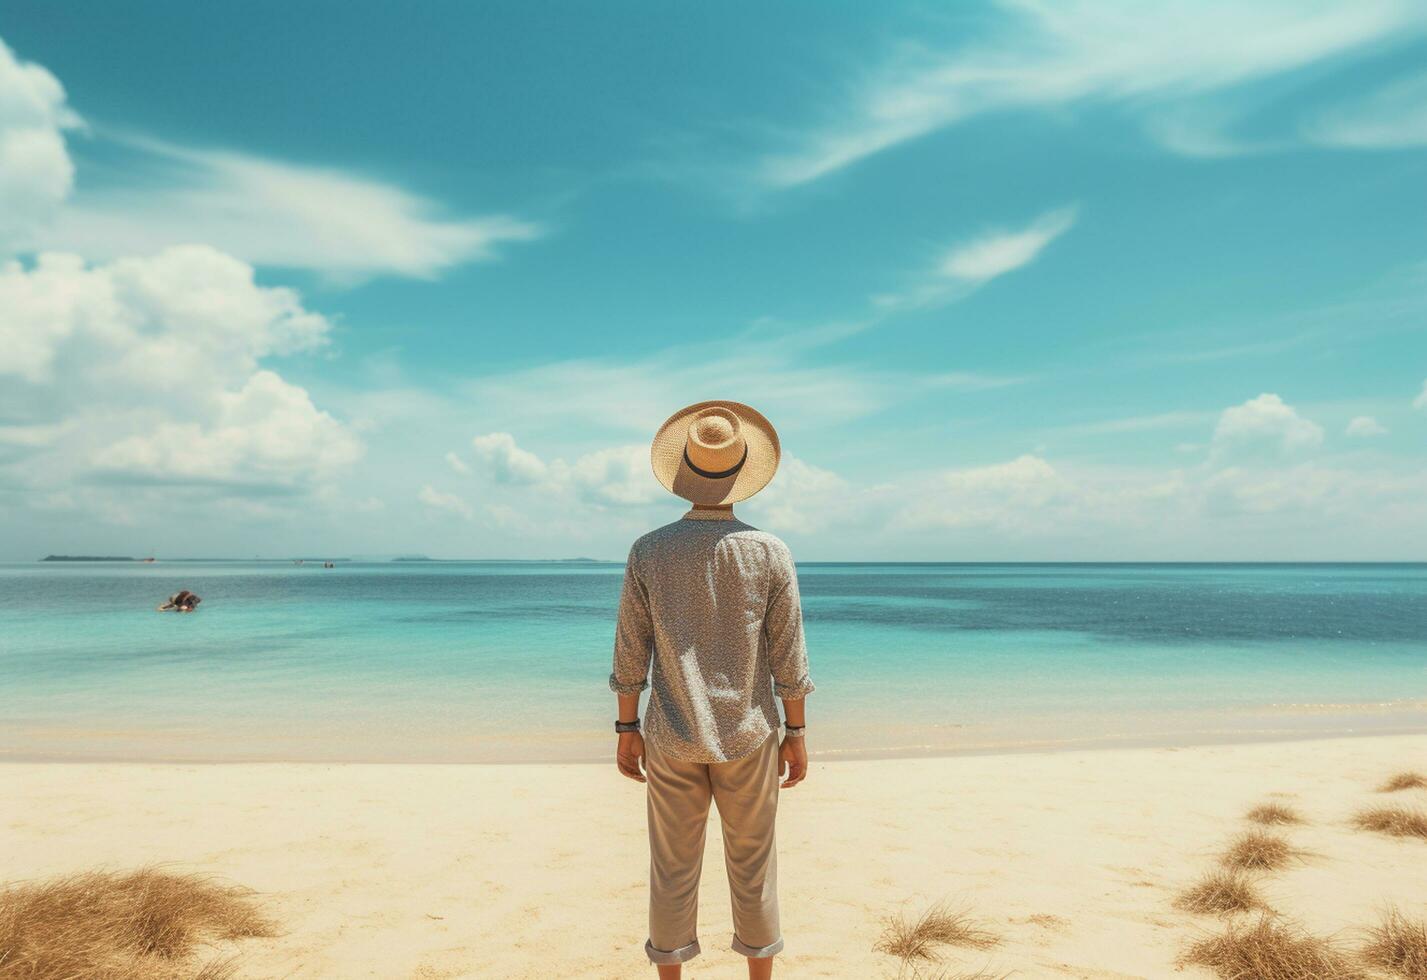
(715, 512)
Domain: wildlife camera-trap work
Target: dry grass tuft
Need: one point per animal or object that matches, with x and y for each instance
(1220, 893)
(1047, 921)
(1396, 821)
(143, 925)
(1271, 950)
(937, 927)
(1403, 780)
(1398, 944)
(1256, 850)
(1273, 814)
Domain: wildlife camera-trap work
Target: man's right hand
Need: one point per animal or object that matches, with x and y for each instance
(629, 756)
(793, 761)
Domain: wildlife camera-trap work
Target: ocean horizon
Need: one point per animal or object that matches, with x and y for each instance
(491, 660)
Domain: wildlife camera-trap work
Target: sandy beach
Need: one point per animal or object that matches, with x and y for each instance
(441, 871)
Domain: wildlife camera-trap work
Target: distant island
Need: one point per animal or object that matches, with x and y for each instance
(86, 558)
(496, 561)
(409, 558)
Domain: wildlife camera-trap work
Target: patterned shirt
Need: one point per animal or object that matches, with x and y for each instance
(712, 604)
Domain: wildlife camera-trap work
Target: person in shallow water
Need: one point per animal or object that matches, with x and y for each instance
(181, 601)
(711, 622)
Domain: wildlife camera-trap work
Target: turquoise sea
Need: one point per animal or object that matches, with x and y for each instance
(455, 661)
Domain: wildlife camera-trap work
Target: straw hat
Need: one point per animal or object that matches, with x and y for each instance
(715, 452)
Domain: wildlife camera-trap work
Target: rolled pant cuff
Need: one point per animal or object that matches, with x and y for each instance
(669, 956)
(758, 952)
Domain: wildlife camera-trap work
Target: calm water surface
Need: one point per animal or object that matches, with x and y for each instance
(495, 660)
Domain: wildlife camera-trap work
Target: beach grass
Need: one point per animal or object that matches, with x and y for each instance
(1271, 950)
(1395, 821)
(1256, 850)
(140, 925)
(922, 938)
(1403, 780)
(1220, 893)
(1273, 815)
(1399, 945)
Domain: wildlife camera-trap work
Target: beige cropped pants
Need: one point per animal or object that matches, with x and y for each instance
(746, 791)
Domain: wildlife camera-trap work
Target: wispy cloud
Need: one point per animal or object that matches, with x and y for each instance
(1394, 116)
(1365, 426)
(1141, 423)
(786, 380)
(268, 212)
(968, 265)
(445, 503)
(1053, 53)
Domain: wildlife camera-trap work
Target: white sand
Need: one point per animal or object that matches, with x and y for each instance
(428, 871)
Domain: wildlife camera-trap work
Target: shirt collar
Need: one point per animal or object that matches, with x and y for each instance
(697, 513)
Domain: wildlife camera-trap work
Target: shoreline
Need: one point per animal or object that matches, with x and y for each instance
(1098, 742)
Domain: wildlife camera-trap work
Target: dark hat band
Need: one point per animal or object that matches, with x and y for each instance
(717, 474)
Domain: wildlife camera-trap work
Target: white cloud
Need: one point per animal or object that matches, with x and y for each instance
(154, 321)
(1339, 494)
(1029, 498)
(1006, 495)
(448, 503)
(150, 370)
(621, 476)
(968, 265)
(1263, 427)
(1421, 400)
(506, 461)
(1392, 117)
(617, 476)
(803, 499)
(32, 436)
(457, 463)
(278, 214)
(36, 173)
(1031, 508)
(266, 434)
(1364, 426)
(1053, 53)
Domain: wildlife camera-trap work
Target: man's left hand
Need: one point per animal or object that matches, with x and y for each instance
(629, 755)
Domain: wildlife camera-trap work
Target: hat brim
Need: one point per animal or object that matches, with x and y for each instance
(672, 470)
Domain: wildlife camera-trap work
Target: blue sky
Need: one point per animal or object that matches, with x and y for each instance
(1015, 281)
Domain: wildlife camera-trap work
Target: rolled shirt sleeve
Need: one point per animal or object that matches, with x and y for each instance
(633, 634)
(783, 624)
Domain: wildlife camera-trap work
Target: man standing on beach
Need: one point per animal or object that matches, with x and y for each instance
(710, 615)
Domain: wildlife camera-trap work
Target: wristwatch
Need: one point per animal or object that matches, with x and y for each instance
(793, 731)
(626, 726)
